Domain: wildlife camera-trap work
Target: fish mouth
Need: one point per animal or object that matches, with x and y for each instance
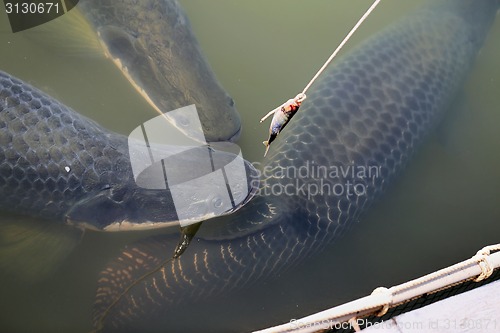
(223, 138)
(82, 225)
(233, 138)
(131, 226)
(120, 226)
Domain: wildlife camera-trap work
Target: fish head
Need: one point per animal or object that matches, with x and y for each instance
(180, 190)
(166, 65)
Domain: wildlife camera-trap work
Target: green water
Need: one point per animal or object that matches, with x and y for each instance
(443, 209)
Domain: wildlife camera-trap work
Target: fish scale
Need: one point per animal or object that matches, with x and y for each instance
(30, 174)
(373, 107)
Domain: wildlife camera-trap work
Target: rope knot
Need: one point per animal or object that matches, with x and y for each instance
(482, 260)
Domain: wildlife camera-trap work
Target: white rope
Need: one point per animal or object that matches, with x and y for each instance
(483, 262)
(386, 291)
(277, 122)
(346, 38)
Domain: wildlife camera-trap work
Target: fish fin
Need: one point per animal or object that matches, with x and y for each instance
(187, 234)
(224, 227)
(31, 249)
(70, 35)
(112, 295)
(266, 143)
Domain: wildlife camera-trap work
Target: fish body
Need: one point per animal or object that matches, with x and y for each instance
(371, 110)
(59, 165)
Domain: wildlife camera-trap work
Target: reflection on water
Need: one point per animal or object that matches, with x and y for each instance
(443, 209)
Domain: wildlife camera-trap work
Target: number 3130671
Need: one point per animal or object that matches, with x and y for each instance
(31, 8)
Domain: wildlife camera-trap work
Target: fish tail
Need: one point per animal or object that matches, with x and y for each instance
(266, 143)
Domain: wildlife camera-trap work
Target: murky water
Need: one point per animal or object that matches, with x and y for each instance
(444, 208)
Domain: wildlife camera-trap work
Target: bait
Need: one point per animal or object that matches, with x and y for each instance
(282, 115)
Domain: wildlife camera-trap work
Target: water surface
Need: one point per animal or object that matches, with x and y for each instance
(443, 209)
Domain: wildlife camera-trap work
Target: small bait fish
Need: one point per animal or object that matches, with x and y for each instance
(281, 117)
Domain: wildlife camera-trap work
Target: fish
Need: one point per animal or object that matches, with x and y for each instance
(282, 115)
(59, 165)
(153, 45)
(371, 110)
(150, 49)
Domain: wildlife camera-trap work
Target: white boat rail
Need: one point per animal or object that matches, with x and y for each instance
(477, 268)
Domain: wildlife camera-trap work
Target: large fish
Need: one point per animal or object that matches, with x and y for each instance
(59, 165)
(360, 125)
